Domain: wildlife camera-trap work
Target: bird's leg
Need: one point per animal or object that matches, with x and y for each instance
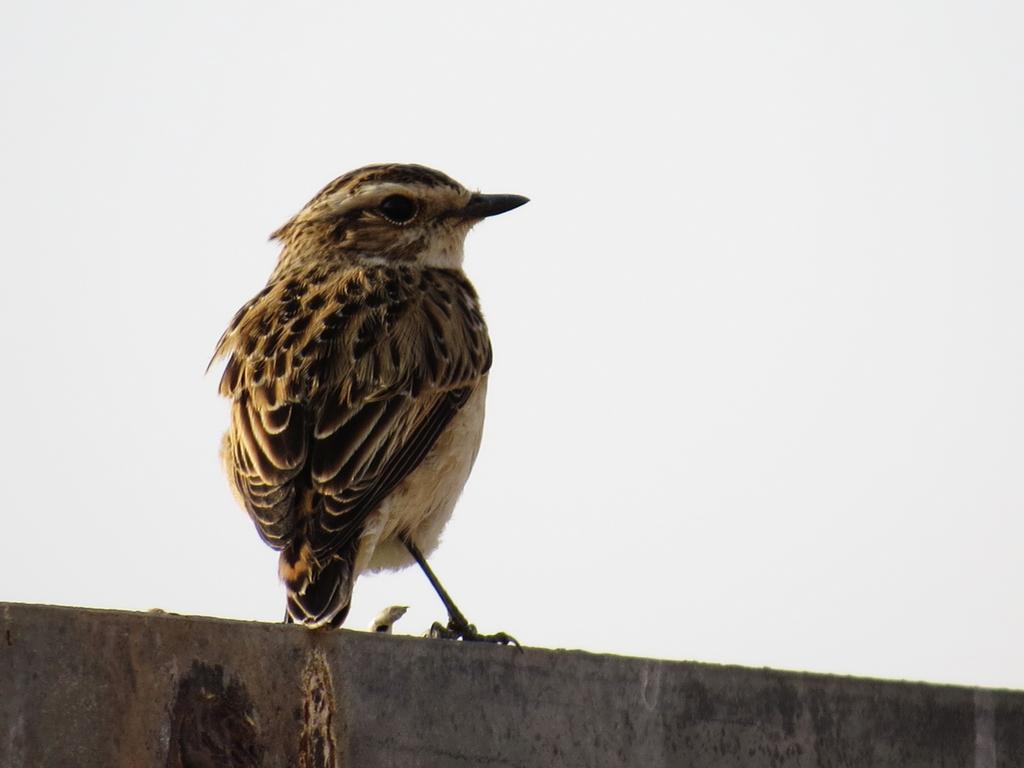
(458, 626)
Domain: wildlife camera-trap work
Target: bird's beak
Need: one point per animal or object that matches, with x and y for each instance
(482, 206)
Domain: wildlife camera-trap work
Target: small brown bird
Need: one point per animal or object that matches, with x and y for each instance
(357, 378)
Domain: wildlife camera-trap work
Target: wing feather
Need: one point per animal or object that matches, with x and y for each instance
(343, 514)
(335, 450)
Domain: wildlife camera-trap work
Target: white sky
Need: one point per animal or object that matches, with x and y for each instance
(758, 393)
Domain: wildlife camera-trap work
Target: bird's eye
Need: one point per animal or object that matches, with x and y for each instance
(398, 209)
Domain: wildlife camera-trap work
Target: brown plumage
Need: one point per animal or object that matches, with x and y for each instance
(350, 375)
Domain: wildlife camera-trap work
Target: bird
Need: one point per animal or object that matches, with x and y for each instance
(357, 378)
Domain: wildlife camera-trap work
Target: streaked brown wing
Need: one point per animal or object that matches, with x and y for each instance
(358, 465)
(265, 451)
(341, 385)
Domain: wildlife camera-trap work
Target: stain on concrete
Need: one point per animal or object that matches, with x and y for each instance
(316, 741)
(213, 724)
(650, 687)
(984, 730)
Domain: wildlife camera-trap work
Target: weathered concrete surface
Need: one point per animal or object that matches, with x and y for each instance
(106, 688)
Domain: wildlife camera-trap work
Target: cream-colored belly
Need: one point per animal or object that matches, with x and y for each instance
(424, 501)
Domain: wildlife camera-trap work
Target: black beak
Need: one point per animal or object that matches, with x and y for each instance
(482, 206)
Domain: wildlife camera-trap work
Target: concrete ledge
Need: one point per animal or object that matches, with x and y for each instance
(108, 688)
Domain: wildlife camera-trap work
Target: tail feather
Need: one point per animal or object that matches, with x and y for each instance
(321, 598)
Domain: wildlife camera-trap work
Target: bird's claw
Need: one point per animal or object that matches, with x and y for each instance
(468, 633)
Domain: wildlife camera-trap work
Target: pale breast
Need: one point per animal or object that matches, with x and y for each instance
(424, 501)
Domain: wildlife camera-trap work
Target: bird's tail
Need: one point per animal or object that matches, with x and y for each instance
(317, 596)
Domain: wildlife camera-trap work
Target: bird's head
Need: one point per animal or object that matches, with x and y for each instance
(389, 214)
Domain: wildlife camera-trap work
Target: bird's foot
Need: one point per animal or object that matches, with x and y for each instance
(457, 630)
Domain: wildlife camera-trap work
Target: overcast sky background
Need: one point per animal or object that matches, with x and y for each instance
(758, 391)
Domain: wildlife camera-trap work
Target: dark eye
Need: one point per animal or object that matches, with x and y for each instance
(398, 209)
